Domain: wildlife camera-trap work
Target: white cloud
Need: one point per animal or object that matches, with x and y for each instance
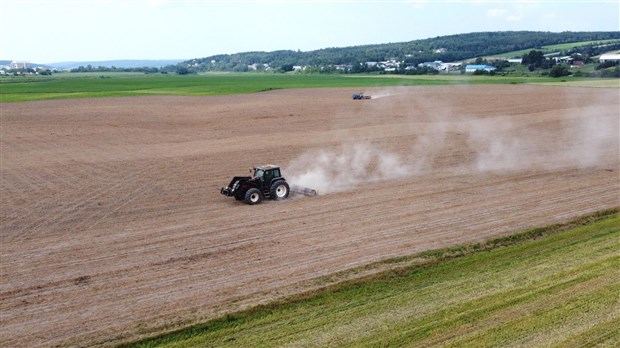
(496, 12)
(505, 15)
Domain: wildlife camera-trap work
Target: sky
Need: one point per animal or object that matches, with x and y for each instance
(51, 31)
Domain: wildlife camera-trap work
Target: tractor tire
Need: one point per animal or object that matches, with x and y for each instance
(253, 196)
(279, 190)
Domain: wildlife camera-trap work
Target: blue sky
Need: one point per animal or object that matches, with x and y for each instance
(49, 31)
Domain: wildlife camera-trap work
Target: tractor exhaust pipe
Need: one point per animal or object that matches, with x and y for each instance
(304, 190)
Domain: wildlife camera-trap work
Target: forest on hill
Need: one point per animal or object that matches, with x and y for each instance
(444, 48)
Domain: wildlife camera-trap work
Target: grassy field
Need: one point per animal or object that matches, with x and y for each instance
(556, 287)
(89, 85)
(600, 83)
(551, 48)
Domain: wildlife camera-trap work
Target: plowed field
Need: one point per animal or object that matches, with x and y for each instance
(112, 226)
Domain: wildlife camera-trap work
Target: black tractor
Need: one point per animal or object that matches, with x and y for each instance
(265, 182)
(360, 96)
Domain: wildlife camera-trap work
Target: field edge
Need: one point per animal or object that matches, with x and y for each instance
(359, 276)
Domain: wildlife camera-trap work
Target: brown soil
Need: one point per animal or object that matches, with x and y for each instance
(112, 226)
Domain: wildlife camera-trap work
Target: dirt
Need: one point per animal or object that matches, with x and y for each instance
(112, 226)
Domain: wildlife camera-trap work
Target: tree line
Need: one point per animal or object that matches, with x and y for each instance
(144, 69)
(445, 48)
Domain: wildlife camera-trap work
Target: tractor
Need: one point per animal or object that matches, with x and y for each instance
(264, 182)
(360, 96)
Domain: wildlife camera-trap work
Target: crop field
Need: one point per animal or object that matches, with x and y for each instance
(113, 228)
(92, 85)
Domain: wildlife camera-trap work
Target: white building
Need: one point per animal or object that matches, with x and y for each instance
(609, 57)
(19, 65)
(473, 68)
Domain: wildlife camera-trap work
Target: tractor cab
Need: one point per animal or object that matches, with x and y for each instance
(264, 175)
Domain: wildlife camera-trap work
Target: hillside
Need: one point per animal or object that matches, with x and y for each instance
(126, 63)
(444, 48)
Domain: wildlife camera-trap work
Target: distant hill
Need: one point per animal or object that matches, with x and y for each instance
(5, 63)
(128, 63)
(445, 48)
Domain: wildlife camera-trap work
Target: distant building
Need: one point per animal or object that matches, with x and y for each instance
(19, 65)
(577, 64)
(515, 60)
(609, 57)
(565, 59)
(437, 65)
(472, 68)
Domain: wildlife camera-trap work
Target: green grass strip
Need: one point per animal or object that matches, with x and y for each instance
(95, 85)
(552, 286)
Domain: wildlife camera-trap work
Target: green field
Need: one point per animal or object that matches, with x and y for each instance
(551, 48)
(556, 286)
(90, 85)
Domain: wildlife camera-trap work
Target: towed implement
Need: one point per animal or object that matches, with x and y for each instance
(304, 190)
(265, 182)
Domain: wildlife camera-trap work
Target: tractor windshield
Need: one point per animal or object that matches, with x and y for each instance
(258, 173)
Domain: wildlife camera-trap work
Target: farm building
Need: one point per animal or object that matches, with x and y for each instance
(441, 66)
(609, 57)
(435, 65)
(472, 68)
(19, 65)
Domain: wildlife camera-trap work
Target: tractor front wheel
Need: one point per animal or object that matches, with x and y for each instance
(253, 196)
(279, 190)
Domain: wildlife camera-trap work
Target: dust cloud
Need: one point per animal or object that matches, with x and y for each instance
(349, 166)
(496, 144)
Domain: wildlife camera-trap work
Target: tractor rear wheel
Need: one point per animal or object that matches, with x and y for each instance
(253, 196)
(279, 190)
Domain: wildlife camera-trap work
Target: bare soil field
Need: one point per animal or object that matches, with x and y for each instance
(112, 226)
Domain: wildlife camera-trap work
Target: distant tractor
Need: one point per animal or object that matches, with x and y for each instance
(265, 182)
(359, 96)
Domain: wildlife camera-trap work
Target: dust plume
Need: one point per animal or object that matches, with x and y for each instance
(584, 141)
(581, 137)
(347, 167)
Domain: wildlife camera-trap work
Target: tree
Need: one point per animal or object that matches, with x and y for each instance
(481, 61)
(533, 58)
(611, 72)
(287, 67)
(358, 67)
(559, 71)
(181, 70)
